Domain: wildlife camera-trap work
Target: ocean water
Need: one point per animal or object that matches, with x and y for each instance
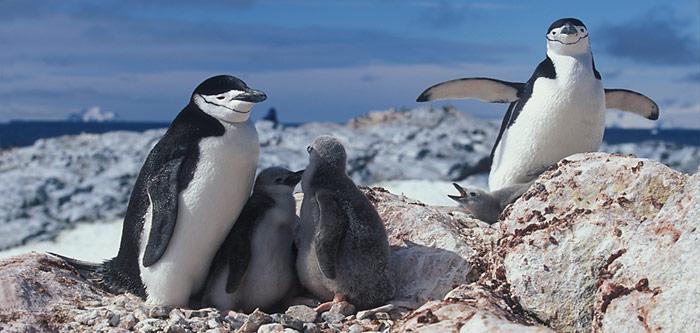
(25, 133)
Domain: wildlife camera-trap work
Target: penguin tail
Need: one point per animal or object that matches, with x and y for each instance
(89, 270)
(99, 274)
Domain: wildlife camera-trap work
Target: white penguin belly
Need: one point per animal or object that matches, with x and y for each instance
(310, 274)
(207, 210)
(559, 120)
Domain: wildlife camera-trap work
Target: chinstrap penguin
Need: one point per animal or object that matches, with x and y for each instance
(187, 196)
(254, 268)
(558, 112)
(343, 246)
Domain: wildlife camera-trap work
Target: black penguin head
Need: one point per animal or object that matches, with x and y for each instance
(226, 98)
(327, 151)
(568, 36)
(276, 180)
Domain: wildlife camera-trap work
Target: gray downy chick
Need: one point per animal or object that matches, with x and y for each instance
(343, 246)
(254, 268)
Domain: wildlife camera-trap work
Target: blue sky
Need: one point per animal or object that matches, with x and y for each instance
(323, 60)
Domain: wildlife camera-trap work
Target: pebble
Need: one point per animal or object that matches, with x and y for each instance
(382, 316)
(159, 311)
(255, 320)
(114, 319)
(368, 313)
(343, 308)
(235, 320)
(271, 328)
(175, 328)
(311, 328)
(332, 318)
(288, 321)
(198, 326)
(356, 328)
(303, 313)
(128, 322)
(212, 323)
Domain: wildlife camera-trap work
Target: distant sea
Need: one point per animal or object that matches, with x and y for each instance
(25, 133)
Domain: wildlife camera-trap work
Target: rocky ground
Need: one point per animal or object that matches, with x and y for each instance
(602, 243)
(59, 182)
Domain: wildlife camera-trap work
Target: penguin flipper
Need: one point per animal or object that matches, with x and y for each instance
(631, 101)
(481, 88)
(331, 231)
(162, 190)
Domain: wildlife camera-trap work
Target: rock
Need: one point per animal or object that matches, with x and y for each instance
(356, 328)
(271, 328)
(428, 262)
(332, 318)
(33, 285)
(603, 233)
(128, 322)
(254, 321)
(303, 313)
(469, 309)
(159, 311)
(600, 243)
(653, 284)
(311, 328)
(288, 321)
(367, 313)
(344, 308)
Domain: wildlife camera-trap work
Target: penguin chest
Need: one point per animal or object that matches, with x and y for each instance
(207, 209)
(562, 117)
(219, 188)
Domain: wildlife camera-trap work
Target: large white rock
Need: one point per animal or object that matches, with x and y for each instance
(467, 309)
(604, 233)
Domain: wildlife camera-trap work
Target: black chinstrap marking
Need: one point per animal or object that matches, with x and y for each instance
(224, 106)
(578, 40)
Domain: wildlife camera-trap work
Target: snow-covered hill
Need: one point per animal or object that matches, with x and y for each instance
(58, 182)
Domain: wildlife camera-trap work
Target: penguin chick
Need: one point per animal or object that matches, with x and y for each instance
(254, 267)
(343, 246)
(487, 206)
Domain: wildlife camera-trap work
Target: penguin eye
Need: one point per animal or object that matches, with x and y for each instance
(554, 32)
(582, 29)
(220, 97)
(279, 180)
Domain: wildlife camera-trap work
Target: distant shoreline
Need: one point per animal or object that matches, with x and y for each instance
(22, 133)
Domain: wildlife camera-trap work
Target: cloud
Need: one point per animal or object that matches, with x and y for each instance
(657, 37)
(692, 77)
(443, 15)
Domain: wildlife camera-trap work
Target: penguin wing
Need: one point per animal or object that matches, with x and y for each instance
(631, 101)
(481, 88)
(162, 188)
(332, 225)
(238, 242)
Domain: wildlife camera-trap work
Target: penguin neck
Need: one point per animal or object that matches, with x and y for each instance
(318, 175)
(194, 119)
(570, 68)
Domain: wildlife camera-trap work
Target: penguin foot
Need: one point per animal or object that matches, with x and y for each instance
(328, 305)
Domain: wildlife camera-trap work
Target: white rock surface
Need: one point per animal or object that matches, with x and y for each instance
(599, 229)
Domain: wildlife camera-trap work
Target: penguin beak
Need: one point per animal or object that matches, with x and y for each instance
(462, 193)
(252, 96)
(569, 30)
(294, 178)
